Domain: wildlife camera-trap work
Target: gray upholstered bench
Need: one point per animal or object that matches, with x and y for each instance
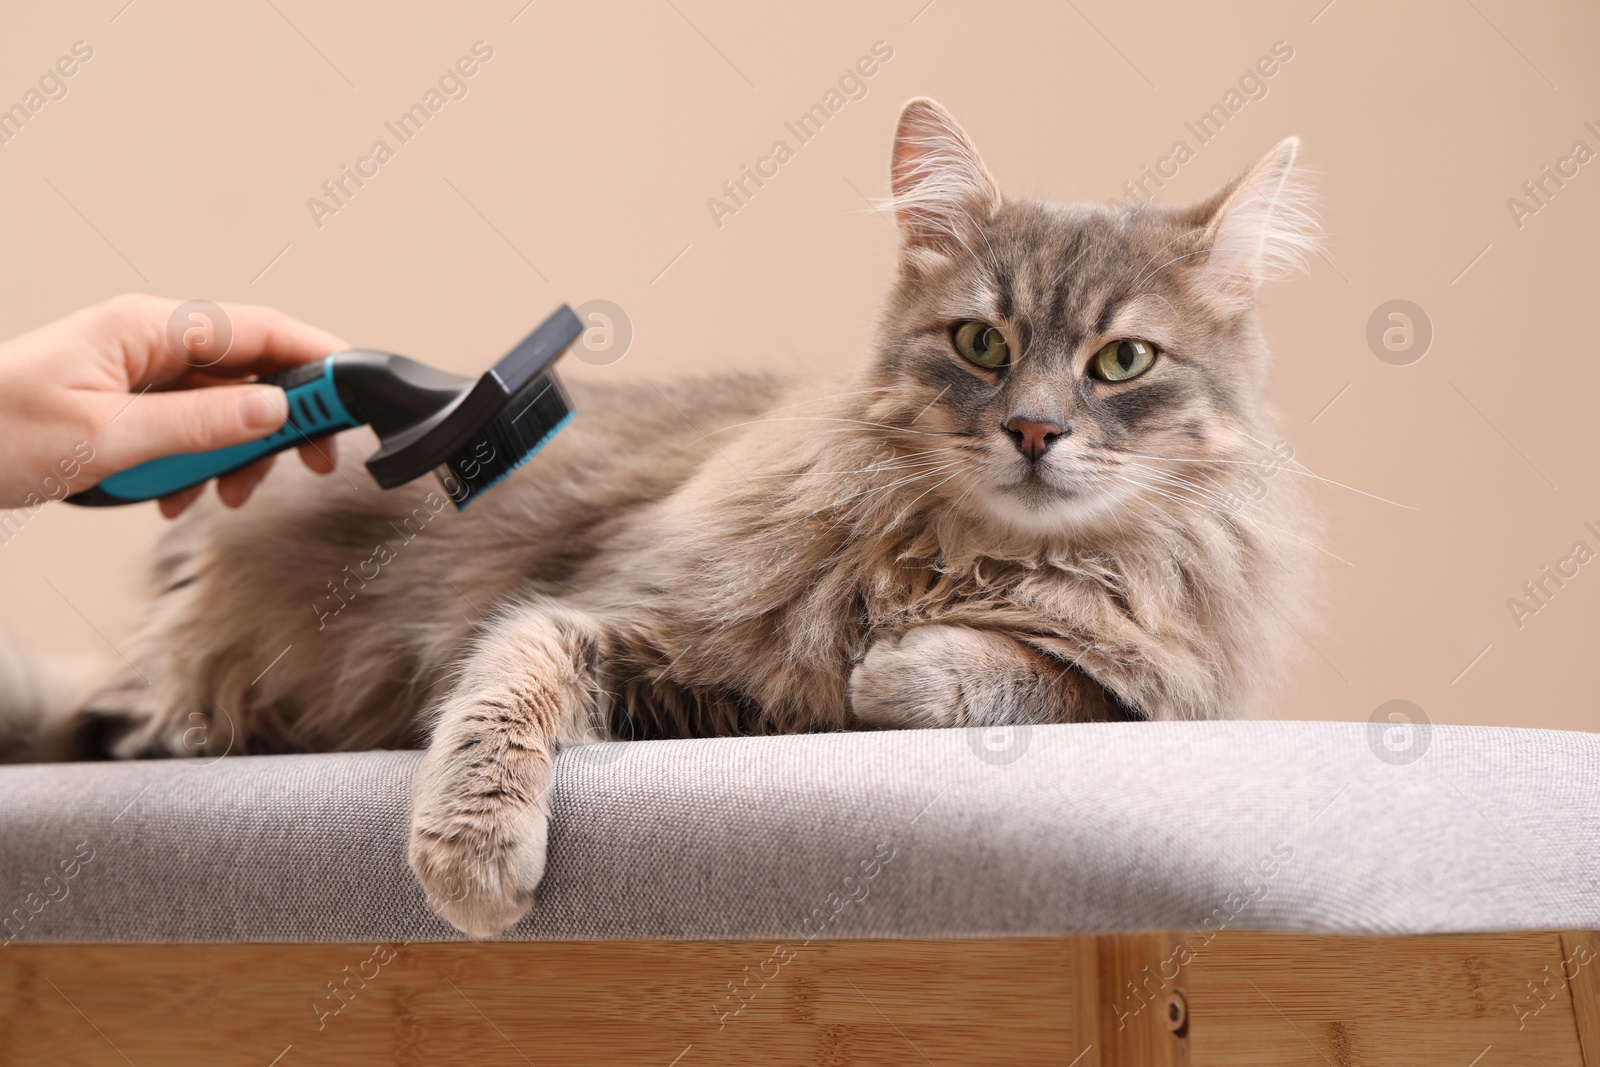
(1269, 892)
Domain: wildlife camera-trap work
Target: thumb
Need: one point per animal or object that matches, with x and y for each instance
(193, 420)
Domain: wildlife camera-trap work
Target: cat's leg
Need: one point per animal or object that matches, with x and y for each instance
(944, 675)
(480, 806)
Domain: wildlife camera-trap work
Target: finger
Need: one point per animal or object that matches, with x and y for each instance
(175, 504)
(193, 420)
(203, 379)
(265, 340)
(165, 341)
(235, 487)
(321, 456)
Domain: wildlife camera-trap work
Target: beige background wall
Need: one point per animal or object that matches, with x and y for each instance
(578, 167)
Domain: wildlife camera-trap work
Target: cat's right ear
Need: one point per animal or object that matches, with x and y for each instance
(940, 184)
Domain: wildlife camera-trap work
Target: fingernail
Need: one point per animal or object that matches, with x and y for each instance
(263, 407)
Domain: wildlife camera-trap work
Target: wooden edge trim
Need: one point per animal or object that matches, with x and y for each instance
(1580, 965)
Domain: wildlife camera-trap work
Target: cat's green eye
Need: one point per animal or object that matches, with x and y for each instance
(1121, 360)
(982, 345)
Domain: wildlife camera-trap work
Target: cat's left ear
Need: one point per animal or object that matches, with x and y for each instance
(1258, 225)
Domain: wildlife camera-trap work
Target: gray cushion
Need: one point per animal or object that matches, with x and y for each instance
(1104, 827)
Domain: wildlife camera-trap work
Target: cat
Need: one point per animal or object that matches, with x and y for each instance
(1036, 502)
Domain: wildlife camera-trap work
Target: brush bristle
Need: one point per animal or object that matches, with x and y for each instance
(529, 419)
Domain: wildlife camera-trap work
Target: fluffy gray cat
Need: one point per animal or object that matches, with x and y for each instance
(1041, 501)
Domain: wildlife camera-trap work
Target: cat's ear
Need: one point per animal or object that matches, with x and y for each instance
(940, 184)
(1259, 225)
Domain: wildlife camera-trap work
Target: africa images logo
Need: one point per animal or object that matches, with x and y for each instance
(1399, 732)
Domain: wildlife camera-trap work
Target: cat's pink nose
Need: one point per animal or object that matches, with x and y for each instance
(1031, 437)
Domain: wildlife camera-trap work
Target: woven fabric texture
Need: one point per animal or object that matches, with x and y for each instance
(1318, 827)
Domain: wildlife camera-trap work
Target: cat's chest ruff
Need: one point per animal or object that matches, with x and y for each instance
(914, 592)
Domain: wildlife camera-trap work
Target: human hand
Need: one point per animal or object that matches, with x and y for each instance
(104, 382)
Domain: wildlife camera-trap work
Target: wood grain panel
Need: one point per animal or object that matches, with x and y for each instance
(1268, 1000)
(840, 1002)
(1252, 999)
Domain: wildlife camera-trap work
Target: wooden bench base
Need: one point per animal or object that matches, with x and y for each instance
(1147, 1000)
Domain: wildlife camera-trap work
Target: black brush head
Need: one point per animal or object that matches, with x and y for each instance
(491, 428)
(530, 418)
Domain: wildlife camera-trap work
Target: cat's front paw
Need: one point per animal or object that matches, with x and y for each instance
(478, 852)
(914, 679)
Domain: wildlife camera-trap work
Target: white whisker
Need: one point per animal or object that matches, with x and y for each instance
(833, 418)
(1222, 510)
(1140, 276)
(1309, 473)
(1304, 471)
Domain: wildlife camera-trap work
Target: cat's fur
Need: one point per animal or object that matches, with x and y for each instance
(738, 554)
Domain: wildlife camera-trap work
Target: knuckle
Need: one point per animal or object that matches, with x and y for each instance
(125, 307)
(202, 424)
(124, 316)
(88, 424)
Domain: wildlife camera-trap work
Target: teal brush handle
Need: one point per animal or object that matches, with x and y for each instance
(315, 410)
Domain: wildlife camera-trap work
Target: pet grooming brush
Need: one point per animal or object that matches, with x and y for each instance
(471, 433)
